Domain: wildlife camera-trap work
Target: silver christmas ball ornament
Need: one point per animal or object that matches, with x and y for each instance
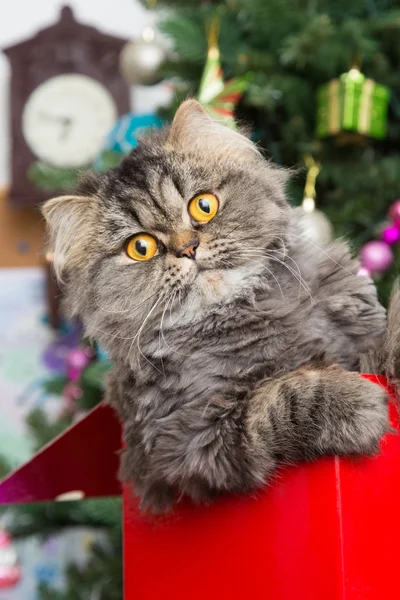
(315, 225)
(141, 61)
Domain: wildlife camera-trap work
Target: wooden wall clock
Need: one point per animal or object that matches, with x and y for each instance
(66, 94)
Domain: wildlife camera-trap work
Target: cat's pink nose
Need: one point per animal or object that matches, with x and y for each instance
(188, 251)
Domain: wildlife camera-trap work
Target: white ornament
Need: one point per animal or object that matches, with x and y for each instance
(141, 61)
(316, 226)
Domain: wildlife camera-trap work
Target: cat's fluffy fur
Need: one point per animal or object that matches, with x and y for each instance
(230, 364)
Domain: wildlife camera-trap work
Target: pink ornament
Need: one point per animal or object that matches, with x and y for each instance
(391, 235)
(394, 212)
(376, 257)
(10, 570)
(77, 359)
(72, 392)
(9, 576)
(363, 272)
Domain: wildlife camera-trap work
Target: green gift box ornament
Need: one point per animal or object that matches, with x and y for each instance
(352, 103)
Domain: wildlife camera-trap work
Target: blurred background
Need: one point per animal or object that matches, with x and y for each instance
(319, 83)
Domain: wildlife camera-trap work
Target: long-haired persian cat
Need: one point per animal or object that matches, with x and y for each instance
(235, 341)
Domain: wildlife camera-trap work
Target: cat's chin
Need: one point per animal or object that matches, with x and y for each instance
(220, 284)
(211, 288)
(211, 282)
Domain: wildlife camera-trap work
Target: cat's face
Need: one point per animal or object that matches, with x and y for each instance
(176, 229)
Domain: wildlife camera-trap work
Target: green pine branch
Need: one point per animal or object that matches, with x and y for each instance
(293, 47)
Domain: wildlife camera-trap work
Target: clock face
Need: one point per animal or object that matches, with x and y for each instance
(67, 118)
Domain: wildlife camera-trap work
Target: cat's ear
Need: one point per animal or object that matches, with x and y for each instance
(70, 221)
(193, 129)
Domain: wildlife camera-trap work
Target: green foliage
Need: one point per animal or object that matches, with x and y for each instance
(43, 429)
(50, 178)
(56, 385)
(103, 572)
(94, 581)
(95, 373)
(47, 518)
(5, 467)
(292, 47)
(108, 160)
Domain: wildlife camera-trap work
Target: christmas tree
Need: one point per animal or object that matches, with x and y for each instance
(286, 51)
(103, 571)
(80, 388)
(292, 48)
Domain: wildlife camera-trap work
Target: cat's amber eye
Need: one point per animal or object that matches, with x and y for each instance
(142, 247)
(203, 207)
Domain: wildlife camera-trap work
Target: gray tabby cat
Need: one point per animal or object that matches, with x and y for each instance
(235, 340)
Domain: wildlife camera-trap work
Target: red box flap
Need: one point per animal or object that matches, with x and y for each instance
(83, 460)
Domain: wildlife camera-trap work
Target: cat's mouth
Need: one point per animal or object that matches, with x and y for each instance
(204, 267)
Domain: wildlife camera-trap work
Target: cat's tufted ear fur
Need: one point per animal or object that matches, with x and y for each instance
(70, 221)
(194, 130)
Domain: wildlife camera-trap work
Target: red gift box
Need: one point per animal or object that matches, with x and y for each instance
(322, 531)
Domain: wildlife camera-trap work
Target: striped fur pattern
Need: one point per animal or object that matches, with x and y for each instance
(234, 363)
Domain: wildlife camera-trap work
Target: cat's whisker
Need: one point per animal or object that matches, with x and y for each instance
(137, 336)
(305, 239)
(161, 336)
(110, 312)
(111, 335)
(159, 341)
(120, 337)
(302, 283)
(120, 312)
(254, 252)
(261, 252)
(250, 238)
(267, 254)
(291, 259)
(283, 244)
(276, 279)
(156, 303)
(269, 271)
(170, 307)
(161, 329)
(297, 272)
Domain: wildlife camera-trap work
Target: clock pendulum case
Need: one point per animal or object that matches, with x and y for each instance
(66, 92)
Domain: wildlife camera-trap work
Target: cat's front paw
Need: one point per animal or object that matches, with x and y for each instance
(156, 499)
(359, 419)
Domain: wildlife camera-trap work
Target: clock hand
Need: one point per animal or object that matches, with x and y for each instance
(47, 117)
(66, 128)
(65, 123)
(64, 120)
